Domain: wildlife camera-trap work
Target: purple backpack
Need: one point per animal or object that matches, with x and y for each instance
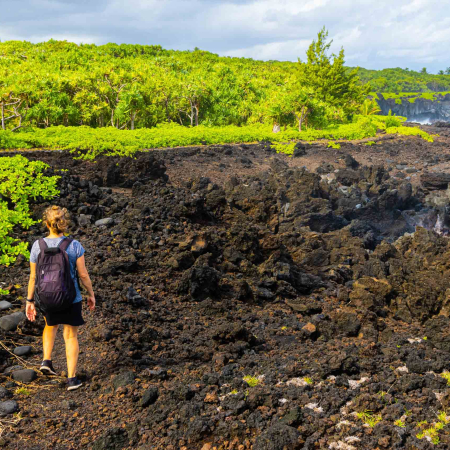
(55, 289)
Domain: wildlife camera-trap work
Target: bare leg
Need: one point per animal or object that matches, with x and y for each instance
(72, 349)
(48, 340)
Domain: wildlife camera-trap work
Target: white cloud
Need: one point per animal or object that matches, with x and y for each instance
(374, 33)
(273, 50)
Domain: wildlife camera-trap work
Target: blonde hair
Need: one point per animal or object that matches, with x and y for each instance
(56, 218)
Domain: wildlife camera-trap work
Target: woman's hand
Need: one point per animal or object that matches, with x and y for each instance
(91, 302)
(31, 311)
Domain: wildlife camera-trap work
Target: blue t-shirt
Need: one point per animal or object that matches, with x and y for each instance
(75, 250)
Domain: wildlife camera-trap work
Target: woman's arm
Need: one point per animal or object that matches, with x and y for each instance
(86, 281)
(30, 309)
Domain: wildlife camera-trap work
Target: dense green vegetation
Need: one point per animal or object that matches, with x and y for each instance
(20, 181)
(405, 80)
(110, 141)
(133, 86)
(411, 96)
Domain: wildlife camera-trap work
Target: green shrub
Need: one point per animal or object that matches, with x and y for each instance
(20, 180)
(410, 131)
(89, 142)
(335, 145)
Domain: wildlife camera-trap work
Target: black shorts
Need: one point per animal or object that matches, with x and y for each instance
(71, 316)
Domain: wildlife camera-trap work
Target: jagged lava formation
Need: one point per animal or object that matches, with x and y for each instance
(215, 264)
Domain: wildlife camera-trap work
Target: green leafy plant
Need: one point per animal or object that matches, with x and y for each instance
(446, 376)
(22, 391)
(369, 107)
(369, 418)
(286, 148)
(432, 432)
(252, 381)
(20, 181)
(443, 418)
(335, 145)
(110, 141)
(399, 423)
(308, 380)
(392, 121)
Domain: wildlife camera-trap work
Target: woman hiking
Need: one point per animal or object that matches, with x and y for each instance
(55, 262)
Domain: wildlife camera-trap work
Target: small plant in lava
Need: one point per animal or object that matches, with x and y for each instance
(369, 418)
(335, 145)
(432, 433)
(446, 377)
(252, 381)
(22, 390)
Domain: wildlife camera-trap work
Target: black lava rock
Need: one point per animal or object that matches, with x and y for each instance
(23, 350)
(123, 379)
(24, 375)
(8, 407)
(278, 437)
(150, 396)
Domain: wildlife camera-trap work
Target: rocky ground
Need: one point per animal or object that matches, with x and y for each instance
(246, 300)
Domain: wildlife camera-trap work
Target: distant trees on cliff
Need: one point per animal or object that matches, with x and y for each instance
(405, 80)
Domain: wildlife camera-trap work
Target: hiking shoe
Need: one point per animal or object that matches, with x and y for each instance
(73, 383)
(47, 368)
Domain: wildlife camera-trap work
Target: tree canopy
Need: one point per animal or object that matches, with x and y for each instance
(140, 86)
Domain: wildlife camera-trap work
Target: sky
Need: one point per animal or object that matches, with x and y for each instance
(375, 34)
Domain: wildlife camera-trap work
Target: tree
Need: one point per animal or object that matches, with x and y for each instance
(110, 84)
(194, 92)
(447, 71)
(441, 72)
(10, 109)
(424, 70)
(329, 79)
(278, 110)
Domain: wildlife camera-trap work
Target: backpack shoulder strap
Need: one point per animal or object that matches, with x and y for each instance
(64, 244)
(42, 245)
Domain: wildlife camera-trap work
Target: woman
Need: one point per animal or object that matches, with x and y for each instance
(56, 220)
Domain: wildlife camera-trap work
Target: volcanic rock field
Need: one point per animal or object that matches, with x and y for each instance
(245, 300)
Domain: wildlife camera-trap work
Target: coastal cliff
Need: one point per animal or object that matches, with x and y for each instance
(417, 109)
